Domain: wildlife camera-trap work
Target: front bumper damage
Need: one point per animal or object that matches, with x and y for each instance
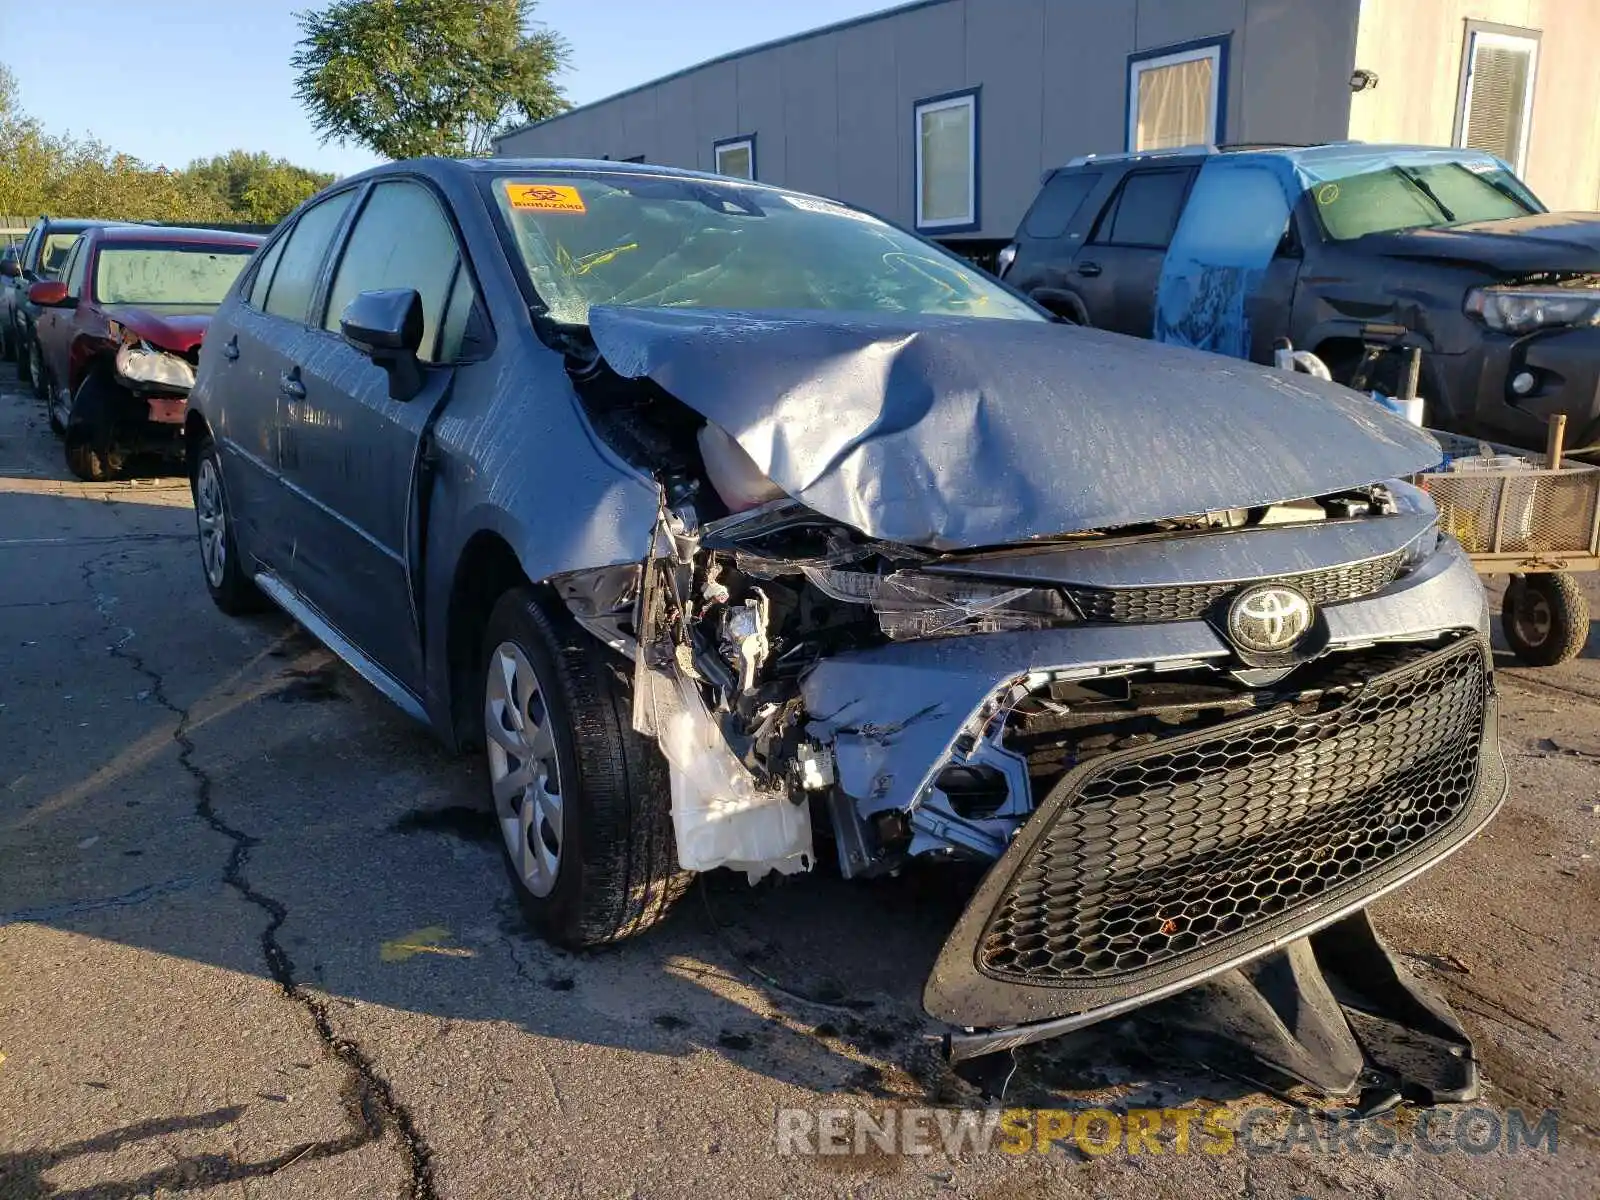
(1147, 871)
(1177, 860)
(897, 630)
(1127, 866)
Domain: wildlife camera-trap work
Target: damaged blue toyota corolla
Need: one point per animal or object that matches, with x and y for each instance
(728, 520)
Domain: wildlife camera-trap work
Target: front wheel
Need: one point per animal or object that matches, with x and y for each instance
(231, 589)
(91, 447)
(582, 800)
(1545, 618)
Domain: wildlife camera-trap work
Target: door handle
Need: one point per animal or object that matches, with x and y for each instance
(1088, 269)
(230, 348)
(289, 384)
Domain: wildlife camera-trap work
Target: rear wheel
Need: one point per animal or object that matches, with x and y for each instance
(57, 425)
(582, 800)
(36, 369)
(1545, 618)
(20, 348)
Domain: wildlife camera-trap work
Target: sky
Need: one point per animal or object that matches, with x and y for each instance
(173, 80)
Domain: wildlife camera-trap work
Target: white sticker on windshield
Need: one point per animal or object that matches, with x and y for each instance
(1481, 167)
(828, 208)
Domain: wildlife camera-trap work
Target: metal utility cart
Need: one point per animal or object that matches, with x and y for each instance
(1533, 517)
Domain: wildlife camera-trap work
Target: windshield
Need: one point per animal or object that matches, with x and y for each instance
(1420, 196)
(654, 241)
(167, 274)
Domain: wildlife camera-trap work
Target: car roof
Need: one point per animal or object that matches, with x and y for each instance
(1318, 155)
(1333, 153)
(484, 166)
(146, 234)
(72, 224)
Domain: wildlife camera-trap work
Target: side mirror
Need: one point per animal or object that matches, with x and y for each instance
(9, 268)
(386, 326)
(48, 293)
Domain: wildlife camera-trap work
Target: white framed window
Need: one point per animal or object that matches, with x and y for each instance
(1494, 105)
(737, 156)
(1175, 97)
(946, 133)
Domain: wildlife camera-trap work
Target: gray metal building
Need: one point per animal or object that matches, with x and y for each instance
(942, 114)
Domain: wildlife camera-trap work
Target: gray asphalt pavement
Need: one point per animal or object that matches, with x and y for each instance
(255, 941)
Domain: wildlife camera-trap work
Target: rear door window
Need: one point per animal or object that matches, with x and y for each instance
(400, 240)
(1058, 203)
(77, 267)
(1146, 210)
(30, 247)
(263, 276)
(294, 282)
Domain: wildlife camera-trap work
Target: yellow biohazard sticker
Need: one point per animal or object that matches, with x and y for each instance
(544, 197)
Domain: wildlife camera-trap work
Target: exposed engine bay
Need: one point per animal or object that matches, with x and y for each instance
(747, 590)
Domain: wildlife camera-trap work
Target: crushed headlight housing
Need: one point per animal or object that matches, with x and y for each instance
(1519, 310)
(139, 362)
(912, 605)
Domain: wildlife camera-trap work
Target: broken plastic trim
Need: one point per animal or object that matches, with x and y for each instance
(721, 816)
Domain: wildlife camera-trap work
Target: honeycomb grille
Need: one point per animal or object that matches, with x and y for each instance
(1206, 835)
(1191, 601)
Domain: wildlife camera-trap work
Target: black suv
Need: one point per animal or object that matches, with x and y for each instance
(1335, 247)
(43, 252)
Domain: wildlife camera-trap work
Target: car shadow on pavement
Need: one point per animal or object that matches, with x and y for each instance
(22, 1175)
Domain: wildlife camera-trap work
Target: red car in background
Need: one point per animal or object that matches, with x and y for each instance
(119, 332)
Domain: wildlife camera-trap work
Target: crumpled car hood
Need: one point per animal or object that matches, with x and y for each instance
(1540, 242)
(955, 432)
(176, 327)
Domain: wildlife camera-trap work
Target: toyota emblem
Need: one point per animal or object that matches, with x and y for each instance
(1268, 619)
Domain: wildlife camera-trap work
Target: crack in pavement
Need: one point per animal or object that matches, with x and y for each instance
(93, 540)
(76, 908)
(370, 1100)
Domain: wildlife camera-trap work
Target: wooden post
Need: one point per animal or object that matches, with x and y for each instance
(1554, 441)
(1413, 373)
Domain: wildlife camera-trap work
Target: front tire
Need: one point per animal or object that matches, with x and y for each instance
(231, 589)
(582, 800)
(88, 462)
(1545, 618)
(91, 448)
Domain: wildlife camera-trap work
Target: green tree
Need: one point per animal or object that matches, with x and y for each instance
(413, 77)
(256, 188)
(28, 156)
